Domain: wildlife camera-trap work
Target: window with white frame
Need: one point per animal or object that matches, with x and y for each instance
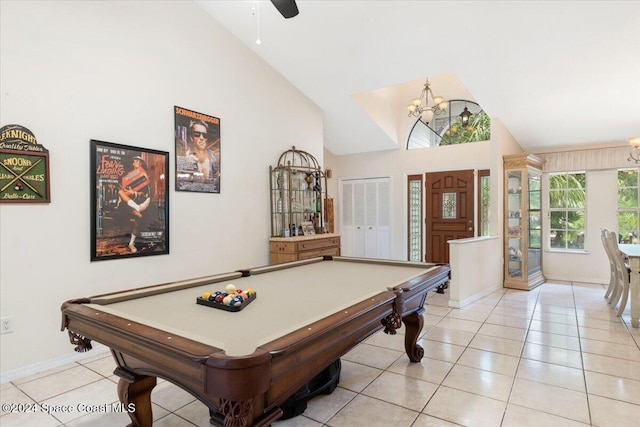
(567, 210)
(628, 207)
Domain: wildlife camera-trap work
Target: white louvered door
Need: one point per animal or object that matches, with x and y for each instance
(365, 218)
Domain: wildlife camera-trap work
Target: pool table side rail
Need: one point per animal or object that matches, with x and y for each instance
(411, 293)
(391, 262)
(118, 296)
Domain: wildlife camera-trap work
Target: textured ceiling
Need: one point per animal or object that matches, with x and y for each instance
(556, 73)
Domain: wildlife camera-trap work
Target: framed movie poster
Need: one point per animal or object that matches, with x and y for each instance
(197, 139)
(129, 201)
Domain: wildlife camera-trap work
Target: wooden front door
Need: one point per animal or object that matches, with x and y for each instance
(449, 211)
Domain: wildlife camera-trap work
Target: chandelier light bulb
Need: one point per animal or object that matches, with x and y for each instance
(258, 41)
(416, 101)
(427, 115)
(438, 100)
(411, 108)
(635, 141)
(443, 105)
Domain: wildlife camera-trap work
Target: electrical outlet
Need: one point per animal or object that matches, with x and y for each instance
(6, 325)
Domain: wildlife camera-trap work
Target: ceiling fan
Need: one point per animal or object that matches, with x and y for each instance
(287, 8)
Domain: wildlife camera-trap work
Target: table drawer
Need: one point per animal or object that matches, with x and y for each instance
(320, 243)
(319, 252)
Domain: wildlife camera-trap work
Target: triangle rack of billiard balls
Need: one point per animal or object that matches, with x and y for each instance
(231, 299)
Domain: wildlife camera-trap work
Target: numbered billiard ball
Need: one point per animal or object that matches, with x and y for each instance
(227, 300)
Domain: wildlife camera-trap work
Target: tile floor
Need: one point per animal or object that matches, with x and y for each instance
(554, 356)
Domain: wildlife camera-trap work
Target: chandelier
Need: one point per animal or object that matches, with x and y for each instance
(635, 151)
(420, 106)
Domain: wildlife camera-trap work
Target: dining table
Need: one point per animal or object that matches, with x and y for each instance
(632, 251)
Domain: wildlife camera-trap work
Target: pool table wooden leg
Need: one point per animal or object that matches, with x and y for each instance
(136, 389)
(414, 323)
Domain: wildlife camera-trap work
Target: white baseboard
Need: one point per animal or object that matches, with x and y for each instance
(40, 367)
(589, 280)
(473, 298)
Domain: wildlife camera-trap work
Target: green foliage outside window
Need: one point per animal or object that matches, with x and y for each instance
(628, 205)
(478, 129)
(567, 205)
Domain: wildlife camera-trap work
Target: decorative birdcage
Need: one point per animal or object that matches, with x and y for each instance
(298, 195)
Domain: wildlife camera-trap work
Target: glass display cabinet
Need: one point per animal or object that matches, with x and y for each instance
(522, 222)
(298, 195)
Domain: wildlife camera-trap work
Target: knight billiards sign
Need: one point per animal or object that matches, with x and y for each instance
(24, 167)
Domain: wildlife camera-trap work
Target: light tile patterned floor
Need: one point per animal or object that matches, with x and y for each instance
(554, 356)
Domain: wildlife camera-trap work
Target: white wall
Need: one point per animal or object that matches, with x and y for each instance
(473, 272)
(75, 71)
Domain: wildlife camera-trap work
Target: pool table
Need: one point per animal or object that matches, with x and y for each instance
(244, 364)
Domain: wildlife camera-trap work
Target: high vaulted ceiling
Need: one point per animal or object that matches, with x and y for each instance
(556, 73)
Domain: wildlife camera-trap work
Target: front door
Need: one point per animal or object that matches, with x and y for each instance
(449, 211)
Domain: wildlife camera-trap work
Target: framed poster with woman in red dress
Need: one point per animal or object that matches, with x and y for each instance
(129, 201)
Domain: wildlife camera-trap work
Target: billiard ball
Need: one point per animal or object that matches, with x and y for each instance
(206, 295)
(230, 289)
(220, 298)
(235, 301)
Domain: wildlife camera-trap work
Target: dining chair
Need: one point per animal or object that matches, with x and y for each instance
(604, 235)
(620, 293)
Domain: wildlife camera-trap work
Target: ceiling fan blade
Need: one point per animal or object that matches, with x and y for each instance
(287, 8)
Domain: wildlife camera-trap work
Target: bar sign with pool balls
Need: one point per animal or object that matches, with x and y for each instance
(24, 167)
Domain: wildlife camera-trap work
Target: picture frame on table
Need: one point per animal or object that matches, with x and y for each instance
(129, 201)
(307, 228)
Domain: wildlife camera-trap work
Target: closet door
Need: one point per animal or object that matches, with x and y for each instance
(347, 228)
(383, 226)
(359, 215)
(366, 218)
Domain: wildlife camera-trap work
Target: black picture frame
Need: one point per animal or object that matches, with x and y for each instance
(129, 201)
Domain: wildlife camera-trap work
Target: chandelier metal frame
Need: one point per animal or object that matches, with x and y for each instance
(634, 155)
(420, 106)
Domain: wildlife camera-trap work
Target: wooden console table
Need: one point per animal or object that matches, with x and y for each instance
(286, 249)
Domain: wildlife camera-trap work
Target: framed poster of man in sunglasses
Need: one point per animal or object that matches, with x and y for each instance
(197, 138)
